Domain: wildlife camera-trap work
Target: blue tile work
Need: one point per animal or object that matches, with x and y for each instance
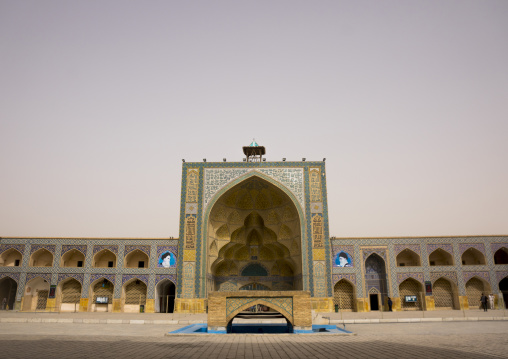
(68, 247)
(388, 248)
(78, 276)
(87, 274)
(231, 178)
(130, 248)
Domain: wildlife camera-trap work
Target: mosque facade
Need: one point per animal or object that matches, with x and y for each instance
(252, 226)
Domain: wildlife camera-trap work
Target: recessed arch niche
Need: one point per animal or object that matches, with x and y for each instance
(254, 234)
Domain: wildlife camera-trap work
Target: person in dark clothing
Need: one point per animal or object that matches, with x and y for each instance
(484, 300)
(389, 304)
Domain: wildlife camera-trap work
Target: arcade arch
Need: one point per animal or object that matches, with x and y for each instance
(36, 295)
(133, 295)
(501, 256)
(440, 257)
(165, 296)
(68, 294)
(445, 294)
(8, 288)
(411, 287)
(10, 258)
(474, 289)
(344, 295)
(102, 289)
(104, 259)
(254, 231)
(472, 257)
(136, 259)
(375, 280)
(408, 258)
(41, 258)
(72, 259)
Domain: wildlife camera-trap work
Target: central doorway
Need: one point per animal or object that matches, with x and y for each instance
(165, 294)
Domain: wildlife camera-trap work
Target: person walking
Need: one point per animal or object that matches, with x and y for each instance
(484, 301)
(389, 304)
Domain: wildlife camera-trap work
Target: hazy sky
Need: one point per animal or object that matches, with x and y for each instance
(100, 101)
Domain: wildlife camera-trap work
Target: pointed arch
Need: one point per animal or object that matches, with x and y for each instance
(11, 257)
(72, 258)
(41, 258)
(440, 257)
(105, 258)
(257, 301)
(408, 258)
(473, 257)
(501, 256)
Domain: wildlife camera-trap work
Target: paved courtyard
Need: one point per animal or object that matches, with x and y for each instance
(484, 339)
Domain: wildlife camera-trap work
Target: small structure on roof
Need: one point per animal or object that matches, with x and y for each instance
(254, 152)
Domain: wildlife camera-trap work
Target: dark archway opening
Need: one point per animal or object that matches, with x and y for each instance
(501, 256)
(503, 287)
(165, 297)
(267, 321)
(8, 288)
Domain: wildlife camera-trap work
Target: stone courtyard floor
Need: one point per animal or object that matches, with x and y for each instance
(454, 339)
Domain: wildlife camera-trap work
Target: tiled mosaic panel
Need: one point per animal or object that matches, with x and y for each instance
(130, 248)
(413, 247)
(216, 178)
(79, 277)
(403, 276)
(465, 246)
(68, 247)
(496, 272)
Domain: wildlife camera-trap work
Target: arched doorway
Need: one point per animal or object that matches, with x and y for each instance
(503, 288)
(473, 257)
(8, 288)
(165, 296)
(101, 293)
(474, 289)
(36, 295)
(344, 295)
(501, 256)
(412, 288)
(68, 295)
(445, 294)
(375, 280)
(254, 234)
(133, 295)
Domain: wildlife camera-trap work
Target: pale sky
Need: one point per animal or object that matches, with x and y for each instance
(101, 100)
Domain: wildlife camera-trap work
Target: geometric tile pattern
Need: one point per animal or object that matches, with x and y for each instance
(217, 178)
(78, 276)
(349, 277)
(400, 247)
(465, 246)
(469, 275)
(403, 276)
(449, 275)
(144, 249)
(68, 247)
(112, 248)
(127, 277)
(14, 276)
(19, 247)
(36, 247)
(501, 275)
(444, 246)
